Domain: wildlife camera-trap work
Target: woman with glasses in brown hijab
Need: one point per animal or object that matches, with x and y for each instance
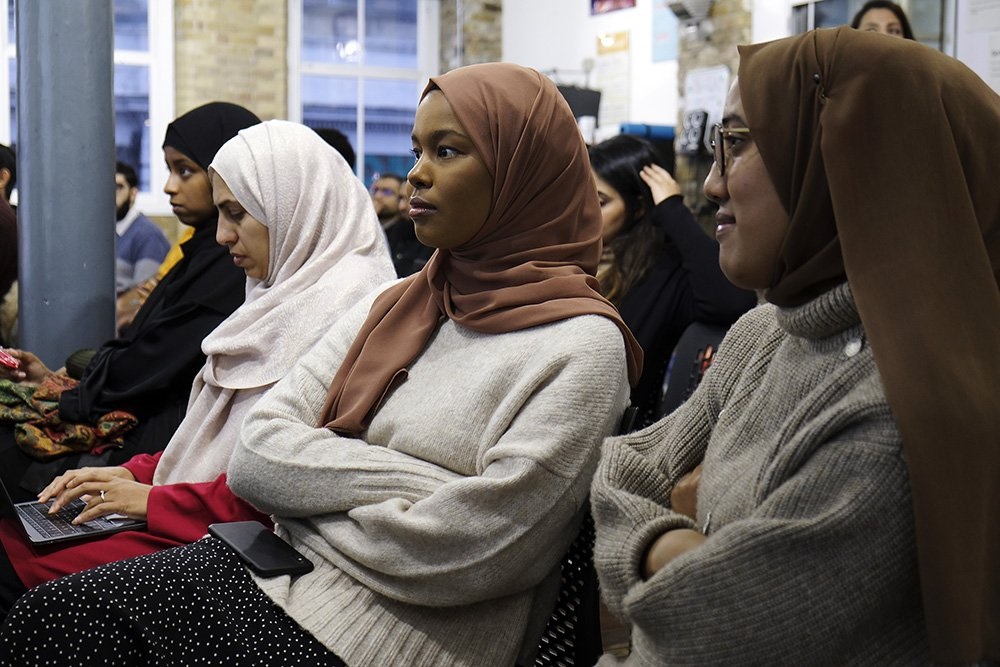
(431, 456)
(848, 508)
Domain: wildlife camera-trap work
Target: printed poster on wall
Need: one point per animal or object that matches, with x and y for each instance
(612, 76)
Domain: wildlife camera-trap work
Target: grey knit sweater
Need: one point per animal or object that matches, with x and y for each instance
(810, 557)
(436, 538)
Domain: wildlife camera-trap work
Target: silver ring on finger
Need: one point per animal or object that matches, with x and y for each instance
(102, 496)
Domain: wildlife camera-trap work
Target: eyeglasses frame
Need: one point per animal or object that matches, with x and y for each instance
(719, 133)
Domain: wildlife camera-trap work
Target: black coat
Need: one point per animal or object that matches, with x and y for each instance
(149, 370)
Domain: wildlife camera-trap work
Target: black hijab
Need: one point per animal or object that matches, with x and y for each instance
(200, 133)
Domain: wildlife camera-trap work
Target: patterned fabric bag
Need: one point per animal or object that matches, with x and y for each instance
(41, 433)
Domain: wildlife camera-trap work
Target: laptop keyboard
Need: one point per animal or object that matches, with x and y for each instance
(58, 524)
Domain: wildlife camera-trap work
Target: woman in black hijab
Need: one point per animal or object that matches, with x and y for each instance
(148, 371)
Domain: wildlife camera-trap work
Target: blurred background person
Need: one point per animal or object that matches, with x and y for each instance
(408, 254)
(658, 266)
(339, 141)
(140, 246)
(883, 16)
(385, 198)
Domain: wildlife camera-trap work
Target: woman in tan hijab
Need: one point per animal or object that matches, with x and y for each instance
(431, 456)
(848, 508)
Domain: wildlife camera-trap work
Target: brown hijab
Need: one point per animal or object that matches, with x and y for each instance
(532, 262)
(883, 152)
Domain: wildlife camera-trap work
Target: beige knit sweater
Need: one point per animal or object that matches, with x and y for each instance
(810, 557)
(437, 537)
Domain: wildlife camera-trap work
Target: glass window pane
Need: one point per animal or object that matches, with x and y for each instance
(330, 31)
(131, 21)
(390, 33)
(331, 102)
(132, 119)
(389, 109)
(831, 13)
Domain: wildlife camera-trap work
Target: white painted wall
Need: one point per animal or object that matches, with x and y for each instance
(560, 34)
(770, 19)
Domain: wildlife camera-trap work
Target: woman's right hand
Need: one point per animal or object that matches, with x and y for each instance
(31, 370)
(71, 479)
(661, 184)
(684, 495)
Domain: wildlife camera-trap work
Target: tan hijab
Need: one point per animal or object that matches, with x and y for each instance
(883, 151)
(531, 263)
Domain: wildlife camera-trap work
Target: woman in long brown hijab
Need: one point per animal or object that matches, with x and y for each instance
(436, 481)
(848, 508)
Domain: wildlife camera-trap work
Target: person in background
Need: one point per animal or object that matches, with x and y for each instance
(8, 173)
(847, 506)
(8, 248)
(385, 198)
(431, 454)
(884, 17)
(307, 238)
(8, 275)
(658, 266)
(409, 255)
(148, 371)
(140, 245)
(340, 142)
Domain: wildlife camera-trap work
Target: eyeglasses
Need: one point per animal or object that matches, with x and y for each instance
(718, 141)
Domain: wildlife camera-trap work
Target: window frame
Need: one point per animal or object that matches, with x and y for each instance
(428, 21)
(160, 61)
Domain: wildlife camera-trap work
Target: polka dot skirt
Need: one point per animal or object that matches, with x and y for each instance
(193, 605)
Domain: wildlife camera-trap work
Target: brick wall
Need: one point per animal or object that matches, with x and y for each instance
(479, 22)
(731, 26)
(231, 51)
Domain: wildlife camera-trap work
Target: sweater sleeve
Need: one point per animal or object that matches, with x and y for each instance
(630, 495)
(828, 545)
(715, 299)
(419, 533)
(143, 466)
(182, 512)
(280, 440)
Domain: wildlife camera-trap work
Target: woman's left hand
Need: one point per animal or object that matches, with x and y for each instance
(660, 182)
(669, 546)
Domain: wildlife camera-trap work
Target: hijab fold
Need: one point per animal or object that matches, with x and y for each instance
(882, 152)
(532, 262)
(326, 251)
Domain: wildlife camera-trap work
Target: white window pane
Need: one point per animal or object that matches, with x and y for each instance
(131, 25)
(330, 31)
(390, 33)
(132, 119)
(389, 109)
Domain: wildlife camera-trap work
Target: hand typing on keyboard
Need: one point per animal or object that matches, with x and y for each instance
(106, 491)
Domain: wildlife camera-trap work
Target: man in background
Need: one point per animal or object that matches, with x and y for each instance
(140, 245)
(385, 197)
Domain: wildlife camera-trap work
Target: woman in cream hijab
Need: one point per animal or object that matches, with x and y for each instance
(301, 224)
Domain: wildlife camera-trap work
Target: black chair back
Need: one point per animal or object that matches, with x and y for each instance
(692, 356)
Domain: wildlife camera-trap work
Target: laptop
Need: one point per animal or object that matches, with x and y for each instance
(43, 528)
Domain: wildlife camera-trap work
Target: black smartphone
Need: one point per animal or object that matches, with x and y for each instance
(264, 552)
